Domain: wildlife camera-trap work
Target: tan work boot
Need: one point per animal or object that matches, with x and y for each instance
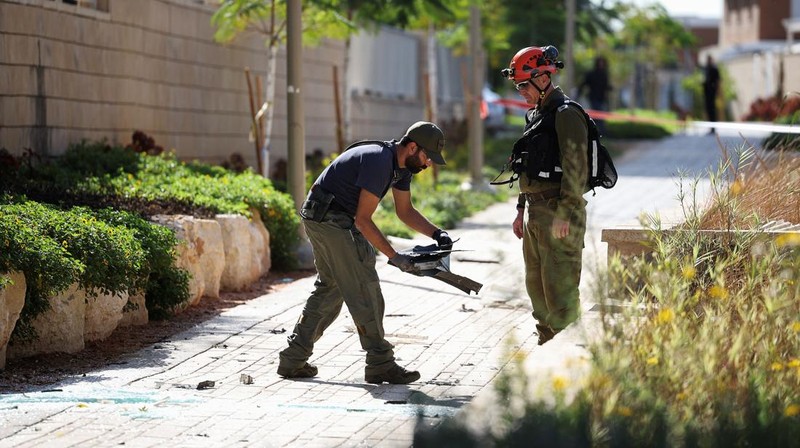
(306, 371)
(395, 375)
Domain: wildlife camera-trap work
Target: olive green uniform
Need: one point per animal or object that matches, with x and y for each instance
(345, 263)
(553, 266)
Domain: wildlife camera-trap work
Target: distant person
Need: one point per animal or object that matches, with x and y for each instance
(711, 81)
(596, 81)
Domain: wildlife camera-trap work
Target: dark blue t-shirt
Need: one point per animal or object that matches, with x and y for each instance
(372, 167)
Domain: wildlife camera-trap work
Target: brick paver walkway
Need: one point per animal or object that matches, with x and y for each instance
(457, 342)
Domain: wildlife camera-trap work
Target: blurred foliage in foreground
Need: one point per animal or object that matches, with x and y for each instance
(705, 351)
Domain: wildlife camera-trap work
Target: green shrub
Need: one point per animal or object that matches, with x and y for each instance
(98, 175)
(786, 142)
(110, 256)
(48, 267)
(96, 159)
(445, 204)
(630, 130)
(165, 285)
(495, 153)
(220, 190)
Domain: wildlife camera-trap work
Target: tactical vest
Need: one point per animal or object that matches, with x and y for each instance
(536, 153)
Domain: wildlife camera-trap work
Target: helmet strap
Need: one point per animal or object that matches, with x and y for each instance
(542, 92)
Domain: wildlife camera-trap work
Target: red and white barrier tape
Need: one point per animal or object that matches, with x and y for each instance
(736, 125)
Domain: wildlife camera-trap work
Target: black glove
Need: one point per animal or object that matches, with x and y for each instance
(403, 262)
(443, 239)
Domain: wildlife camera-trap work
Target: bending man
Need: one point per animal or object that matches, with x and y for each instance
(337, 216)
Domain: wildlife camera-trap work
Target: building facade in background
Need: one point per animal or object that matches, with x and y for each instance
(72, 70)
(758, 50)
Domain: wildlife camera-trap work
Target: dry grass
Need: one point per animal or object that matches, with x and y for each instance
(761, 189)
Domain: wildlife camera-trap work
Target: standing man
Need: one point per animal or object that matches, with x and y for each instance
(337, 216)
(598, 84)
(552, 185)
(711, 89)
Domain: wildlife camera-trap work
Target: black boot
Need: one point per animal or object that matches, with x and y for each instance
(545, 333)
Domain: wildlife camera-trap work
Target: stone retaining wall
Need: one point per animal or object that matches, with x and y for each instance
(224, 254)
(632, 242)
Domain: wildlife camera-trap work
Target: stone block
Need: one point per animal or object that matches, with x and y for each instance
(18, 111)
(247, 254)
(136, 314)
(12, 298)
(260, 240)
(103, 314)
(626, 242)
(59, 330)
(240, 271)
(201, 252)
(19, 81)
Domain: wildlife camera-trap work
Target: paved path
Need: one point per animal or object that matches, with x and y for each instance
(457, 342)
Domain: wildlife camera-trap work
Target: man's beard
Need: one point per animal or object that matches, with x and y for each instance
(413, 164)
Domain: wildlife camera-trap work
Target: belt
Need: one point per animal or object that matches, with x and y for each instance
(542, 196)
(333, 206)
(336, 207)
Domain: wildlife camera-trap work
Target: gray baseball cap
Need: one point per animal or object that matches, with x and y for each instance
(430, 138)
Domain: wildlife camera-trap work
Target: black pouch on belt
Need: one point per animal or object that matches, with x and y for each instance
(317, 204)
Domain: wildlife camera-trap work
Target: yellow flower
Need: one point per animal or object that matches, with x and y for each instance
(794, 363)
(681, 396)
(652, 361)
(788, 239)
(792, 410)
(776, 366)
(665, 316)
(736, 188)
(689, 272)
(624, 411)
(718, 292)
(796, 327)
(559, 383)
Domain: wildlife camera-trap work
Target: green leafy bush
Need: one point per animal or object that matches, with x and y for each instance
(109, 251)
(445, 204)
(110, 256)
(636, 130)
(165, 285)
(99, 175)
(782, 141)
(219, 190)
(48, 267)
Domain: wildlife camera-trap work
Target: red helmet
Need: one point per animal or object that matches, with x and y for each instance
(532, 61)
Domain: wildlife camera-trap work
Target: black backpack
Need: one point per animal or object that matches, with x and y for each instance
(602, 172)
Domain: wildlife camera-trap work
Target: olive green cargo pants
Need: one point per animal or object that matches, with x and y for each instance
(345, 263)
(553, 266)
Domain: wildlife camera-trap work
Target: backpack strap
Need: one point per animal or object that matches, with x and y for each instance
(383, 143)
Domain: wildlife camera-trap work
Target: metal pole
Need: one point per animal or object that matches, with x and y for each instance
(296, 176)
(569, 82)
(294, 101)
(475, 87)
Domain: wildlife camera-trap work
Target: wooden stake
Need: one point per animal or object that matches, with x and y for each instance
(256, 134)
(337, 105)
(260, 102)
(429, 117)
